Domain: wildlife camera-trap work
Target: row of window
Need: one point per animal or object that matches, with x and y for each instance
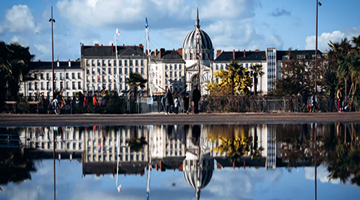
(61, 75)
(171, 74)
(175, 66)
(193, 56)
(59, 145)
(105, 158)
(98, 87)
(114, 63)
(48, 86)
(113, 71)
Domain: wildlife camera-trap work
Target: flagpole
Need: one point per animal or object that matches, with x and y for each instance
(150, 84)
(117, 68)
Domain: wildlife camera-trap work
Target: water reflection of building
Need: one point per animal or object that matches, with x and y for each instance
(68, 141)
(101, 148)
(168, 147)
(198, 165)
(173, 147)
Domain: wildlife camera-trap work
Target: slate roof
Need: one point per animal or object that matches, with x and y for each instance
(169, 162)
(41, 65)
(167, 56)
(109, 51)
(239, 55)
(110, 167)
(261, 55)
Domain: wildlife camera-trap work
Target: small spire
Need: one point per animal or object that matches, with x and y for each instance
(197, 23)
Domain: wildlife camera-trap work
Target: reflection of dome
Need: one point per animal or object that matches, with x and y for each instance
(191, 177)
(190, 40)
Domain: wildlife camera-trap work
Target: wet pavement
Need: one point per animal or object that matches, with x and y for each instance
(161, 118)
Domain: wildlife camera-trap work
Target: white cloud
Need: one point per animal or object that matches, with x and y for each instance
(322, 175)
(323, 40)
(129, 13)
(18, 19)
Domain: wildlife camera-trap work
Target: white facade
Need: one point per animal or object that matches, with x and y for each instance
(68, 78)
(169, 71)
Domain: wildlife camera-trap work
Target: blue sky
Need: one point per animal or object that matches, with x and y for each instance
(227, 183)
(231, 24)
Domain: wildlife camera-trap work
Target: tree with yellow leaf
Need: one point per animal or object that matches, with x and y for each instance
(233, 81)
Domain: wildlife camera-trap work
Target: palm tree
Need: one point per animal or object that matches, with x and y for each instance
(136, 80)
(340, 53)
(257, 71)
(136, 143)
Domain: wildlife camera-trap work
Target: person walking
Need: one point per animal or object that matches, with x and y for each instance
(340, 98)
(186, 103)
(176, 105)
(168, 101)
(304, 97)
(196, 98)
(163, 108)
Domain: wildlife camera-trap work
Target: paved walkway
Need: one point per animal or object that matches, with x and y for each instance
(160, 118)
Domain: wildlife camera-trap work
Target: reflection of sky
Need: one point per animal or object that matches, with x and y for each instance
(225, 184)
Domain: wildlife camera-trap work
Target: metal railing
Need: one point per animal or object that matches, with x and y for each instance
(208, 104)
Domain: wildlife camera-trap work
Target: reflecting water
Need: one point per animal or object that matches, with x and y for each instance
(186, 162)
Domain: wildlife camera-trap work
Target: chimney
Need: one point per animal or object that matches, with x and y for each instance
(96, 44)
(179, 51)
(218, 52)
(141, 47)
(218, 166)
(244, 53)
(101, 44)
(234, 54)
(69, 63)
(257, 50)
(155, 54)
(57, 63)
(161, 52)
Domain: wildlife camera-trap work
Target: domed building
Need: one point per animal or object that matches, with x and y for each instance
(198, 42)
(198, 165)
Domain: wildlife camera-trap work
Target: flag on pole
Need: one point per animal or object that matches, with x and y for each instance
(146, 23)
(119, 188)
(117, 31)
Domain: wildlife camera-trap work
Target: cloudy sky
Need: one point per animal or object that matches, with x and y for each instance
(231, 24)
(227, 184)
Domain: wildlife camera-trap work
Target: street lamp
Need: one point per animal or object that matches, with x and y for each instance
(52, 20)
(316, 41)
(316, 48)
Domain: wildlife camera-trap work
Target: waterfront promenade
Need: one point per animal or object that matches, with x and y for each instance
(159, 119)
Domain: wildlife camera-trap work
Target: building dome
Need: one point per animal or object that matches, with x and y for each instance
(191, 177)
(190, 40)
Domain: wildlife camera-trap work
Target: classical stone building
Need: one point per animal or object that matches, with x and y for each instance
(198, 51)
(271, 61)
(169, 71)
(68, 78)
(100, 66)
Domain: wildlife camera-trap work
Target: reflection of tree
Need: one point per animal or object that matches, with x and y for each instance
(135, 143)
(343, 153)
(235, 142)
(297, 148)
(15, 164)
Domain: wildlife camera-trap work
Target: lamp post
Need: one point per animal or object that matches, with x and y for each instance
(316, 41)
(52, 20)
(316, 48)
